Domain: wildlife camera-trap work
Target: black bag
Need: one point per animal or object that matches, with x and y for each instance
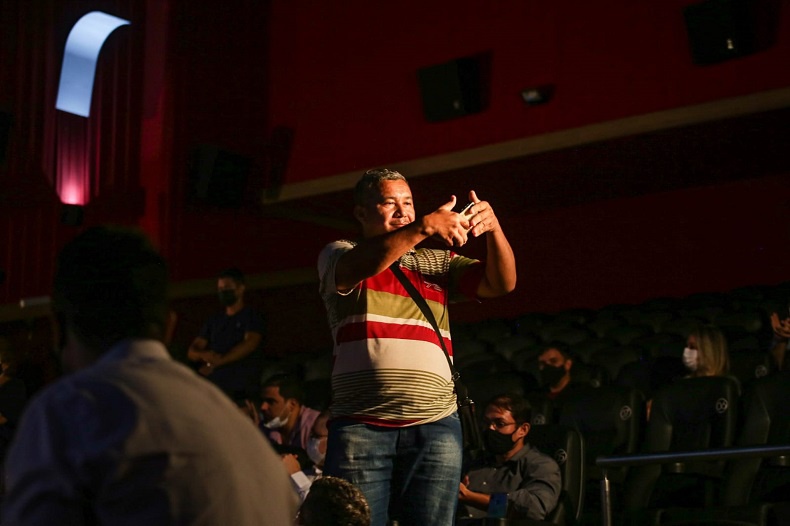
(473, 437)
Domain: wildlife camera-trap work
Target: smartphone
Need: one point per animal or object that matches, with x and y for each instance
(497, 506)
(465, 210)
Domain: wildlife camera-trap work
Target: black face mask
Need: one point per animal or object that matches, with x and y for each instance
(498, 443)
(551, 375)
(227, 297)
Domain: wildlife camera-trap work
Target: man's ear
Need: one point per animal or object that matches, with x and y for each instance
(525, 427)
(359, 213)
(568, 364)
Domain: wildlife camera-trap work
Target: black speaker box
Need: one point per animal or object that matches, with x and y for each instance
(451, 90)
(720, 30)
(218, 177)
(72, 215)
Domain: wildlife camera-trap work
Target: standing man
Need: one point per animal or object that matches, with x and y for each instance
(228, 346)
(131, 436)
(395, 432)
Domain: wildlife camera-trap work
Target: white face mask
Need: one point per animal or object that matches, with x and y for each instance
(690, 357)
(277, 422)
(313, 452)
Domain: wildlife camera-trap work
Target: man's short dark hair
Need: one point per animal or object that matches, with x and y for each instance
(111, 284)
(290, 386)
(370, 181)
(232, 273)
(561, 347)
(333, 501)
(518, 406)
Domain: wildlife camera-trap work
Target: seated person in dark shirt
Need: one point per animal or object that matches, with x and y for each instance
(555, 364)
(530, 478)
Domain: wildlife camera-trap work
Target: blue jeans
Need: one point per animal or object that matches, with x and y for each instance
(408, 474)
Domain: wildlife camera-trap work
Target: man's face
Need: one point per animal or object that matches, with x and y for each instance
(553, 358)
(228, 285)
(391, 209)
(503, 422)
(273, 404)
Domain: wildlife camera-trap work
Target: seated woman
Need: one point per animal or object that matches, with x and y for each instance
(706, 352)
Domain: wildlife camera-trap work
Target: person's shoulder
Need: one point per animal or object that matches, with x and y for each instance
(80, 395)
(308, 413)
(339, 244)
(334, 250)
(249, 311)
(535, 458)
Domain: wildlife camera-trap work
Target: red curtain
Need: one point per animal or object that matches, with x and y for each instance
(54, 156)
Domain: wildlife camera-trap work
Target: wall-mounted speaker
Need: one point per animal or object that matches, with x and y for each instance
(452, 89)
(72, 215)
(218, 177)
(720, 30)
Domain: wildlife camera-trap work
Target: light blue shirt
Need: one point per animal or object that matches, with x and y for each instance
(139, 439)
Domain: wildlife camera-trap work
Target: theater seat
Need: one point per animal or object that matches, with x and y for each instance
(750, 366)
(610, 419)
(484, 388)
(565, 445)
(756, 490)
(766, 421)
(692, 414)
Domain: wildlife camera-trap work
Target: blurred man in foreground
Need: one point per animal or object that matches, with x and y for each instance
(130, 436)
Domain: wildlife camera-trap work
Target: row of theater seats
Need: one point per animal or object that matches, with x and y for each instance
(693, 415)
(625, 344)
(622, 344)
(620, 351)
(623, 353)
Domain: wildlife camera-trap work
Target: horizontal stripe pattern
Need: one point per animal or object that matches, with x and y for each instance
(389, 395)
(389, 368)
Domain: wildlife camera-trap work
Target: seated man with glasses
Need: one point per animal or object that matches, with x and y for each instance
(529, 479)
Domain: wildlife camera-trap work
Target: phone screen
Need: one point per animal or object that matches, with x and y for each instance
(497, 506)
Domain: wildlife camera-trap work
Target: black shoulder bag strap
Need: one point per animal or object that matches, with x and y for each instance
(473, 440)
(426, 311)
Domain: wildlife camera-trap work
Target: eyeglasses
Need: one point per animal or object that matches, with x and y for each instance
(498, 424)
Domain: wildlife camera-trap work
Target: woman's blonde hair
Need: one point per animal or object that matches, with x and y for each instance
(713, 358)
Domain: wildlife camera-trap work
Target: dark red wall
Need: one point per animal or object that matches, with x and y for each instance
(343, 77)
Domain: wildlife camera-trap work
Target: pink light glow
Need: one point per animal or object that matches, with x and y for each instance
(72, 194)
(73, 185)
(73, 166)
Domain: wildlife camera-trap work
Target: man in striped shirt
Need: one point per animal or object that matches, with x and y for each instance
(395, 432)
